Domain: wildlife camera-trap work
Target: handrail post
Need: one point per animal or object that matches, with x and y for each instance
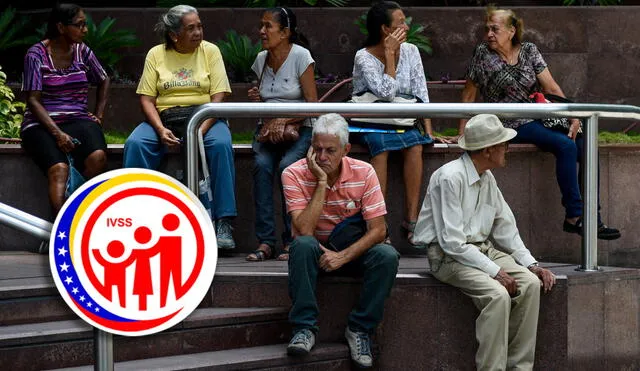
(102, 350)
(590, 197)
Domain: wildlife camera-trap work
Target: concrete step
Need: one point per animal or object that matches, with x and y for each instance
(324, 357)
(70, 343)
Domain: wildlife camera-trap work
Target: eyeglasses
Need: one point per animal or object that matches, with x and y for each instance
(81, 24)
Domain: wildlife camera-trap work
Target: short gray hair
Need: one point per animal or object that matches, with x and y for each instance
(171, 21)
(332, 124)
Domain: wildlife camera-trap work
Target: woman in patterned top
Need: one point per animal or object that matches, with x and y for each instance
(507, 70)
(57, 74)
(388, 67)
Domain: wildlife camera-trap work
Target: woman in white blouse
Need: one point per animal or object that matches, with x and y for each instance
(388, 67)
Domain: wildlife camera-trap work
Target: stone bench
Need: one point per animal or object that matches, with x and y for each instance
(528, 184)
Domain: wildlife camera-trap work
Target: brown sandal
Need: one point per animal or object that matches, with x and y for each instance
(284, 254)
(262, 253)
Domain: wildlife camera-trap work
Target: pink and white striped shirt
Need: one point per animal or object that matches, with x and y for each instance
(356, 190)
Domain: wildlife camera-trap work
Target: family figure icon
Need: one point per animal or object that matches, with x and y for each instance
(169, 250)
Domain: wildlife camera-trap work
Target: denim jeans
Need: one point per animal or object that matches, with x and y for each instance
(266, 157)
(143, 149)
(567, 153)
(378, 266)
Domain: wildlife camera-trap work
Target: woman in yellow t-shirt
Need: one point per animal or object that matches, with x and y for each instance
(185, 71)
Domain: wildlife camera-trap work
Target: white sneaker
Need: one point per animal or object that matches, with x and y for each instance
(301, 343)
(360, 347)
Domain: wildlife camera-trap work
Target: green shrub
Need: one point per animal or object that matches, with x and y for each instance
(414, 35)
(239, 54)
(10, 111)
(12, 29)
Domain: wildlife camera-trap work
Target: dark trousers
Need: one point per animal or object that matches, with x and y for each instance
(378, 266)
(567, 153)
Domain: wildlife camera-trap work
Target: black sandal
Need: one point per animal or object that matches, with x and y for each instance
(259, 254)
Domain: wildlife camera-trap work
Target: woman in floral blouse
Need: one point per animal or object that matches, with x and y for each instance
(507, 70)
(388, 67)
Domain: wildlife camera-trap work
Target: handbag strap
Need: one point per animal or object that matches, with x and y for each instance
(203, 157)
(264, 67)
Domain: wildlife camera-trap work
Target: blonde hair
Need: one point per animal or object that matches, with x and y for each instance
(510, 20)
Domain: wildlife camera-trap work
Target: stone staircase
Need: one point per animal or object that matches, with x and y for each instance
(38, 331)
(588, 322)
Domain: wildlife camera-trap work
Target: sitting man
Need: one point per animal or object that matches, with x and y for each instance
(321, 191)
(463, 208)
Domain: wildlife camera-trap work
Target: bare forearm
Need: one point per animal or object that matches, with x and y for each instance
(151, 113)
(427, 127)
(555, 90)
(42, 116)
(306, 222)
(468, 96)
(101, 98)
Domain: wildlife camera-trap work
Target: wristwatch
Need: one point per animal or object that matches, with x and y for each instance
(533, 265)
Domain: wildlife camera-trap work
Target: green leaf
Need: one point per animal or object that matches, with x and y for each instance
(238, 53)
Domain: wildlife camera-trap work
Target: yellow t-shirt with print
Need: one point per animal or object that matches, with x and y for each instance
(177, 79)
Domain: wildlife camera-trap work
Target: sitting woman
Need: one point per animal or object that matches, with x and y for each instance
(507, 70)
(186, 71)
(388, 67)
(57, 122)
(285, 70)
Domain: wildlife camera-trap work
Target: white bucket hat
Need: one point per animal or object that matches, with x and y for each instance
(484, 131)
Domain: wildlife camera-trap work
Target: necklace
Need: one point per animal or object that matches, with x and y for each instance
(512, 59)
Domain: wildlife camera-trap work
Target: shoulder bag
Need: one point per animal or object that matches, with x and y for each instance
(176, 119)
(388, 123)
(291, 125)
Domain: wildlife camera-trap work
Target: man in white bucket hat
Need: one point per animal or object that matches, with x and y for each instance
(462, 210)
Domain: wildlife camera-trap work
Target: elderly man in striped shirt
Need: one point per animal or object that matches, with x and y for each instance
(327, 191)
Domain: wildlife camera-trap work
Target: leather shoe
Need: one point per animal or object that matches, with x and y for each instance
(604, 232)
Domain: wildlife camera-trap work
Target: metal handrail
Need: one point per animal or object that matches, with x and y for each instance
(12, 217)
(592, 112)
(25, 222)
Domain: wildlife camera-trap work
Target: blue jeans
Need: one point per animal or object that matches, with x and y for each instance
(143, 149)
(266, 157)
(378, 266)
(567, 153)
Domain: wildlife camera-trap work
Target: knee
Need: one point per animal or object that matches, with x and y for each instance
(386, 256)
(414, 151)
(133, 142)
(58, 172)
(261, 163)
(221, 143)
(567, 147)
(303, 246)
(97, 159)
(500, 297)
(530, 283)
